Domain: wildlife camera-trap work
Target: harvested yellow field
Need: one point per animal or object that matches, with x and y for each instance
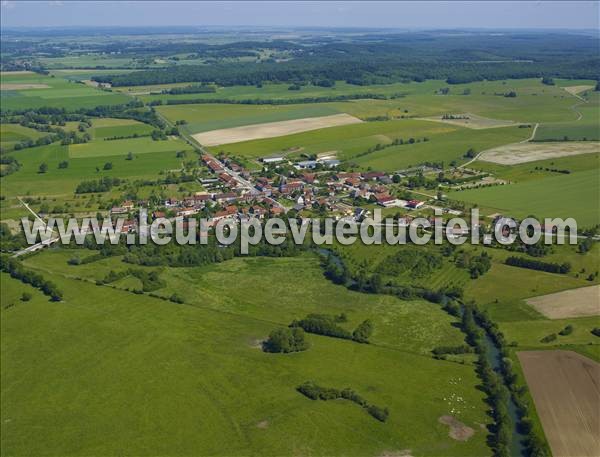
(272, 129)
(471, 121)
(513, 154)
(584, 301)
(565, 387)
(574, 90)
(17, 86)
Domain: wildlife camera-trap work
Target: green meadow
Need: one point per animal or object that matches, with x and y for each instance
(585, 128)
(117, 361)
(539, 169)
(109, 127)
(347, 140)
(57, 180)
(60, 93)
(562, 196)
(11, 134)
(106, 148)
(202, 118)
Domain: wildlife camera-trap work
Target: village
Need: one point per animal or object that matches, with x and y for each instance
(303, 190)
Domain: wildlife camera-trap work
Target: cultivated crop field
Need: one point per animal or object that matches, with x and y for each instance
(569, 303)
(272, 129)
(566, 394)
(514, 154)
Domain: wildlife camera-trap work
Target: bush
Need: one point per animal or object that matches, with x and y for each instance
(381, 414)
(286, 340)
(363, 332)
(176, 299)
(26, 296)
(566, 331)
(549, 338)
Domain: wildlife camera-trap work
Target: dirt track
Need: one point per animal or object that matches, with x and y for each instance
(272, 129)
(566, 390)
(584, 301)
(512, 154)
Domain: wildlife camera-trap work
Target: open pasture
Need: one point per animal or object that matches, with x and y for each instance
(272, 129)
(562, 196)
(11, 134)
(32, 90)
(102, 148)
(55, 181)
(585, 126)
(348, 140)
(584, 301)
(535, 102)
(110, 127)
(205, 117)
(512, 154)
(202, 362)
(447, 147)
(540, 169)
(564, 386)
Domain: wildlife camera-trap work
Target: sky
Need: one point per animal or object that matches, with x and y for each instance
(399, 14)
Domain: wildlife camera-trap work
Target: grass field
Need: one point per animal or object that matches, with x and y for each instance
(11, 134)
(137, 146)
(587, 127)
(64, 181)
(537, 170)
(535, 102)
(61, 93)
(557, 196)
(443, 148)
(202, 118)
(110, 127)
(159, 367)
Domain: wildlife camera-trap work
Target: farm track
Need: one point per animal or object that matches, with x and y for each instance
(478, 156)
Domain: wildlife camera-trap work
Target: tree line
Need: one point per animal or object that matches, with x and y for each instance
(561, 268)
(327, 325)
(18, 271)
(315, 392)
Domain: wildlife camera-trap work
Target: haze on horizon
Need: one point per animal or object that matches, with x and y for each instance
(409, 14)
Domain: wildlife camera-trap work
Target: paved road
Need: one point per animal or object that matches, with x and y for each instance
(43, 243)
